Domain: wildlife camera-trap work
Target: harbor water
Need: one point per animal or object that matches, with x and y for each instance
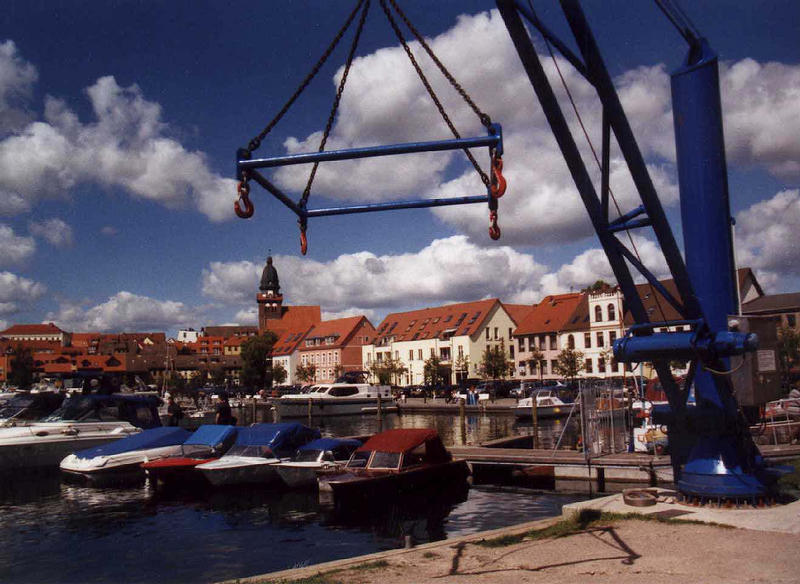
(55, 531)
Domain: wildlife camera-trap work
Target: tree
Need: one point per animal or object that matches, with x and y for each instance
(21, 373)
(461, 366)
(494, 362)
(257, 360)
(218, 376)
(569, 363)
(538, 357)
(386, 370)
(435, 374)
(279, 373)
(305, 373)
(788, 352)
(598, 286)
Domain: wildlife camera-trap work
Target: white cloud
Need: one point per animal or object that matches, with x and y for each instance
(247, 316)
(14, 249)
(16, 84)
(124, 311)
(447, 270)
(55, 231)
(16, 291)
(125, 146)
(766, 236)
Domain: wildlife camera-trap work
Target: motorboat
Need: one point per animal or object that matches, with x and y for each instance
(122, 460)
(257, 450)
(26, 407)
(208, 443)
(336, 399)
(323, 456)
(82, 421)
(548, 405)
(393, 463)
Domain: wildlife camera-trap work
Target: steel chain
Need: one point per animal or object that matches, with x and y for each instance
(434, 97)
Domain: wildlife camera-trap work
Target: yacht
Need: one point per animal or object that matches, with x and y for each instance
(82, 421)
(24, 408)
(548, 405)
(336, 399)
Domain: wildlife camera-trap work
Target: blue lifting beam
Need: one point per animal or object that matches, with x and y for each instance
(713, 455)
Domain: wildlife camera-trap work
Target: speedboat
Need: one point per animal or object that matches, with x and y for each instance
(257, 450)
(323, 456)
(336, 399)
(392, 463)
(208, 443)
(122, 460)
(24, 407)
(548, 405)
(82, 421)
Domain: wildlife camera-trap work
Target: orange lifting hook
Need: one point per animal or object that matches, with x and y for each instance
(494, 228)
(244, 200)
(303, 240)
(498, 180)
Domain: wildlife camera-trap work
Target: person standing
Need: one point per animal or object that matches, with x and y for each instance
(174, 410)
(224, 415)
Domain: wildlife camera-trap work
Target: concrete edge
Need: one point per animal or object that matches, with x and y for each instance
(343, 564)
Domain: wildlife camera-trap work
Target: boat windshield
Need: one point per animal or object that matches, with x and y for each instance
(385, 460)
(83, 409)
(15, 405)
(359, 459)
(251, 450)
(307, 455)
(196, 451)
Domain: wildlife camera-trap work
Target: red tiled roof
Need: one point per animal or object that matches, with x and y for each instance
(342, 329)
(518, 312)
(551, 315)
(288, 342)
(32, 329)
(295, 318)
(463, 319)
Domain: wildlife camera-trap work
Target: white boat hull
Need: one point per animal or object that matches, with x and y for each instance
(303, 474)
(47, 444)
(239, 470)
(116, 464)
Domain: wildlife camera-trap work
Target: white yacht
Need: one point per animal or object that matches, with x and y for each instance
(82, 421)
(336, 399)
(548, 405)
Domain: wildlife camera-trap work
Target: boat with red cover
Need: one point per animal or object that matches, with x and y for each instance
(208, 443)
(395, 462)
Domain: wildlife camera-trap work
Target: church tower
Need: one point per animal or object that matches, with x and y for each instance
(269, 298)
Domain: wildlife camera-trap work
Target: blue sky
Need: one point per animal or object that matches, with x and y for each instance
(119, 123)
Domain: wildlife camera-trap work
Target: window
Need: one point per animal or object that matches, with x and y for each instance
(598, 313)
(487, 333)
(588, 366)
(553, 342)
(461, 351)
(600, 339)
(385, 460)
(570, 341)
(612, 336)
(433, 352)
(397, 355)
(496, 333)
(419, 354)
(511, 350)
(343, 391)
(612, 312)
(552, 366)
(509, 334)
(587, 340)
(601, 365)
(411, 355)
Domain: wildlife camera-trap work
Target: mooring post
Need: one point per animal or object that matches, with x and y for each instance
(310, 405)
(535, 418)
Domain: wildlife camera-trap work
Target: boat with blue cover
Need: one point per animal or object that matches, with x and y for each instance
(208, 443)
(82, 421)
(258, 448)
(122, 460)
(326, 455)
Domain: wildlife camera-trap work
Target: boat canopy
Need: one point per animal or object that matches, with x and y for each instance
(278, 437)
(331, 444)
(141, 411)
(406, 439)
(211, 435)
(153, 438)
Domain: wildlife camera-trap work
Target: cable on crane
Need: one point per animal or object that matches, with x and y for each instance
(495, 182)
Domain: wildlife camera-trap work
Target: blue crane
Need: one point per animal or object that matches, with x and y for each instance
(713, 454)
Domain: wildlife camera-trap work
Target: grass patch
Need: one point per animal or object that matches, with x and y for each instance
(378, 565)
(578, 523)
(318, 579)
